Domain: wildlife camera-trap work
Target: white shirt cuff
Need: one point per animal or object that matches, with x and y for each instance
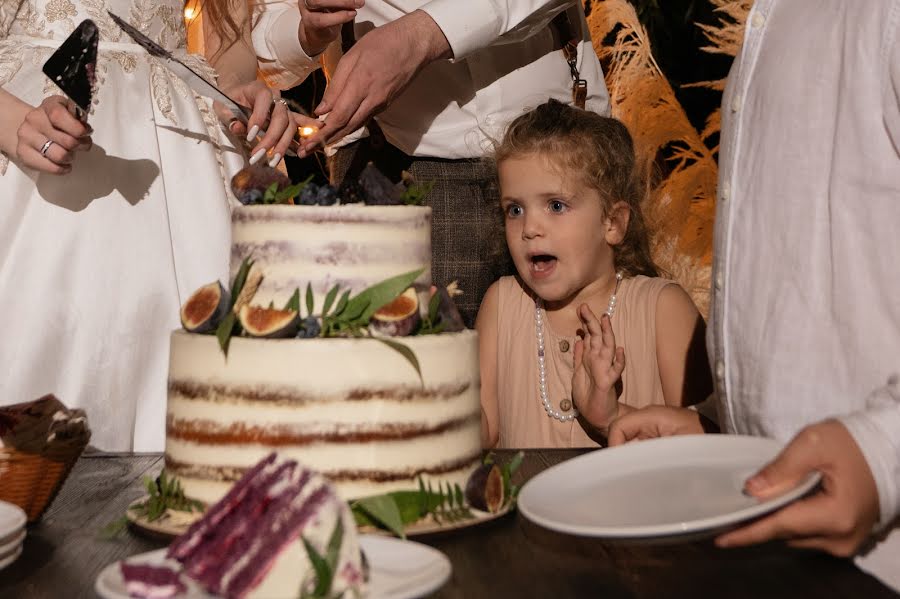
(877, 433)
(476, 27)
(284, 63)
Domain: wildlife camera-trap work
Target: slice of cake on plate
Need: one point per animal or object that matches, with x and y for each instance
(280, 531)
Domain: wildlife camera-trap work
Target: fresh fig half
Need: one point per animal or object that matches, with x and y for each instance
(269, 323)
(400, 317)
(205, 309)
(252, 181)
(484, 489)
(448, 314)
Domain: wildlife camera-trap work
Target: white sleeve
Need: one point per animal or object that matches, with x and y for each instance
(281, 60)
(475, 24)
(877, 432)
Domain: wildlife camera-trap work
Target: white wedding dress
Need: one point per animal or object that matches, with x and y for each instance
(95, 264)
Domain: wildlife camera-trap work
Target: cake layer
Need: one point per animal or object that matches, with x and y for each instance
(354, 409)
(352, 246)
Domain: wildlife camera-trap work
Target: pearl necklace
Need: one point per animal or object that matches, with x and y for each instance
(542, 371)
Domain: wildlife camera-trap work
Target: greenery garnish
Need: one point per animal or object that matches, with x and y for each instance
(324, 567)
(398, 509)
(431, 324)
(293, 304)
(230, 325)
(415, 194)
(404, 351)
(165, 493)
(273, 195)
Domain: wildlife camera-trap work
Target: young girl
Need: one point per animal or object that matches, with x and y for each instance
(551, 373)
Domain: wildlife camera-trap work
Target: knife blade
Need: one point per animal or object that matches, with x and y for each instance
(194, 80)
(72, 67)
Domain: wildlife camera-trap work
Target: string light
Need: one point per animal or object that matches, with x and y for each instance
(307, 131)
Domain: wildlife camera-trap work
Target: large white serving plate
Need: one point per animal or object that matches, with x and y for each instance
(682, 485)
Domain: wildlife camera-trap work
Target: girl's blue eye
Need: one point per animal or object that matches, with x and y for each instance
(513, 210)
(557, 206)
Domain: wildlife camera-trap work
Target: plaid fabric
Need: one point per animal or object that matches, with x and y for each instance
(467, 241)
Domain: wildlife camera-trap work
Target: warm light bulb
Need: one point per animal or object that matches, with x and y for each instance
(307, 131)
(189, 13)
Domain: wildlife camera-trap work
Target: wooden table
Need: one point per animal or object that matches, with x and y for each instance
(509, 557)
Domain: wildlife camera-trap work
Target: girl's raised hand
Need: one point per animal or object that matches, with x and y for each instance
(50, 135)
(598, 366)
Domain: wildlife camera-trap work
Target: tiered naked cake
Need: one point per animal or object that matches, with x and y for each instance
(354, 409)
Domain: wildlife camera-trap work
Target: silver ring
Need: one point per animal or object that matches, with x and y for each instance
(46, 147)
(281, 101)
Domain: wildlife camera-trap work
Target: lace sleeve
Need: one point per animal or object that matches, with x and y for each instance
(8, 11)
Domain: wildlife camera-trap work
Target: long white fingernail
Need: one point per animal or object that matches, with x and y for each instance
(251, 134)
(275, 160)
(256, 157)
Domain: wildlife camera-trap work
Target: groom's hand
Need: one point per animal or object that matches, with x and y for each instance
(375, 71)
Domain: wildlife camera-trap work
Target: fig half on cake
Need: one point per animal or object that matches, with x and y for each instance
(205, 309)
(269, 323)
(400, 317)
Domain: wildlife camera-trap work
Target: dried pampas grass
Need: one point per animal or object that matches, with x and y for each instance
(681, 207)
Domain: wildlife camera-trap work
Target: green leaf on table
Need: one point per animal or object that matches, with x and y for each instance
(383, 509)
(334, 544)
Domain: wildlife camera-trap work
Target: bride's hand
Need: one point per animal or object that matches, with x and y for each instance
(266, 103)
(50, 135)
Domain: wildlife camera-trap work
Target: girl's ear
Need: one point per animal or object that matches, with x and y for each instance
(617, 223)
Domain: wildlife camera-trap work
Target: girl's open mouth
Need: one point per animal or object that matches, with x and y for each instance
(542, 265)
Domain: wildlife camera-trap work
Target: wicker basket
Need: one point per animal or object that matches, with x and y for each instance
(30, 477)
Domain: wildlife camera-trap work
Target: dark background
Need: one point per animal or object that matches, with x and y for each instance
(676, 43)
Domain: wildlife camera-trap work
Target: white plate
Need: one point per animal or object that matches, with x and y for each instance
(12, 519)
(7, 560)
(681, 485)
(397, 570)
(6, 547)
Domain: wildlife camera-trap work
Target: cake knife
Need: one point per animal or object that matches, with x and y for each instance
(193, 80)
(72, 67)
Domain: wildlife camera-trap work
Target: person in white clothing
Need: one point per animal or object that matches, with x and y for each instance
(804, 334)
(442, 79)
(107, 228)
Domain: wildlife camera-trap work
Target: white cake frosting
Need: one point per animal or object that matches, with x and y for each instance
(353, 246)
(354, 409)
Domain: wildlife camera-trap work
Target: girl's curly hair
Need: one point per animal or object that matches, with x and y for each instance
(598, 149)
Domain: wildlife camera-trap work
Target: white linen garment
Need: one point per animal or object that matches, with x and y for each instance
(805, 319)
(95, 264)
(505, 63)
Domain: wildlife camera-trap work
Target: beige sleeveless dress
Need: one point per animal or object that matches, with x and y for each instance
(523, 420)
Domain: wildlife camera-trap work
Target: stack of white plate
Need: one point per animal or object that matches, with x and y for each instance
(12, 532)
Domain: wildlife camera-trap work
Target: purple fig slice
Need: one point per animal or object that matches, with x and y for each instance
(400, 317)
(269, 322)
(484, 490)
(205, 309)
